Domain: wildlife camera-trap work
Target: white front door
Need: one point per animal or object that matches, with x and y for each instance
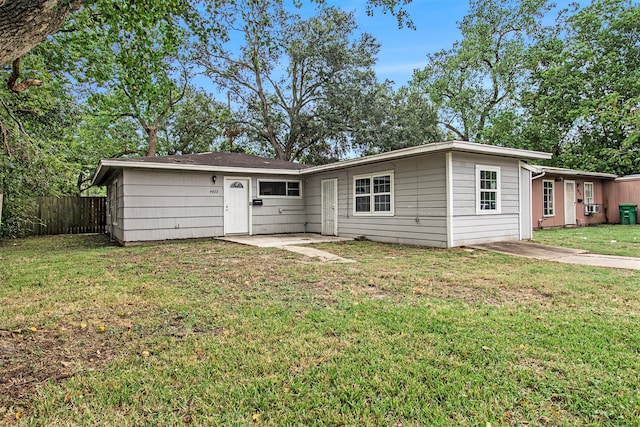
(330, 207)
(570, 203)
(236, 205)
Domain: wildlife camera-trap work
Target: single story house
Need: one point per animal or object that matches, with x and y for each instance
(568, 197)
(443, 195)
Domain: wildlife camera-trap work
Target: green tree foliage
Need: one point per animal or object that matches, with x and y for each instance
(126, 66)
(585, 102)
(27, 22)
(296, 82)
(130, 57)
(197, 126)
(394, 119)
(37, 155)
(478, 78)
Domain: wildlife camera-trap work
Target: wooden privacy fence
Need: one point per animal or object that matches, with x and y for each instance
(71, 215)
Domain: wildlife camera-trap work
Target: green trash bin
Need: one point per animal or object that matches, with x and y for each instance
(628, 213)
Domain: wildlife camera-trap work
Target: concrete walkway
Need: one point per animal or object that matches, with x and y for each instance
(292, 242)
(566, 255)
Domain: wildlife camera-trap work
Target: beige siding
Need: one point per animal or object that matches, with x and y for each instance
(469, 227)
(165, 204)
(161, 205)
(419, 198)
(278, 214)
(115, 227)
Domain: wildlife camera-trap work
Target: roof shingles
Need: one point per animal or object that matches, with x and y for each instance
(238, 160)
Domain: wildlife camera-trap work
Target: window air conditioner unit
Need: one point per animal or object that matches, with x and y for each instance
(591, 209)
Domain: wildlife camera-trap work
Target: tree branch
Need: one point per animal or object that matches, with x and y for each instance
(5, 141)
(12, 82)
(454, 130)
(20, 127)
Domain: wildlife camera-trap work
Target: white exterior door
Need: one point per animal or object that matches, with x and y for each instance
(236, 205)
(570, 203)
(330, 207)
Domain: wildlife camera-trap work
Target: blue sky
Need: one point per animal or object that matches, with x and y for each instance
(403, 50)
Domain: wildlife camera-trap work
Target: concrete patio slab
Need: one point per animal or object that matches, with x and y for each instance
(565, 255)
(292, 242)
(316, 253)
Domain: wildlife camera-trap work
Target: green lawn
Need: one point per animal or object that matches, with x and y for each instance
(622, 240)
(216, 333)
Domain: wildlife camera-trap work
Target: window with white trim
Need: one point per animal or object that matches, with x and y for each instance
(279, 188)
(373, 194)
(488, 189)
(588, 193)
(548, 202)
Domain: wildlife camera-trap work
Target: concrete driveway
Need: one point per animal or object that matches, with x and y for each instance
(292, 242)
(566, 255)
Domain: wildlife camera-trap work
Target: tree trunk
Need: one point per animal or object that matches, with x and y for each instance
(152, 134)
(25, 23)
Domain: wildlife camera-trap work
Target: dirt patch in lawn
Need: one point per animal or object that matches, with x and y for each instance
(29, 358)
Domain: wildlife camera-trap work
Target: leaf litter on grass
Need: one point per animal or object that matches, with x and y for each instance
(160, 297)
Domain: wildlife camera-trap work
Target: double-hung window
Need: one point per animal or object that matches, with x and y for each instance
(588, 193)
(548, 202)
(488, 189)
(373, 194)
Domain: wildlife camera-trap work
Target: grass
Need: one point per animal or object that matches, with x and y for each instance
(621, 240)
(215, 333)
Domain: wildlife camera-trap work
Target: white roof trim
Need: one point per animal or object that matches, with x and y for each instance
(530, 168)
(629, 178)
(574, 172)
(463, 146)
(468, 147)
(107, 163)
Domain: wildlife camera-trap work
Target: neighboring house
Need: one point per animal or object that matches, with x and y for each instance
(568, 197)
(442, 195)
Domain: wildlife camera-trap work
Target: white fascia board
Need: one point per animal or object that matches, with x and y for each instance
(474, 147)
(463, 146)
(530, 168)
(573, 172)
(115, 164)
(634, 177)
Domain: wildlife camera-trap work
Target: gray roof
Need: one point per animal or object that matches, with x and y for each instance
(244, 163)
(235, 160)
(205, 162)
